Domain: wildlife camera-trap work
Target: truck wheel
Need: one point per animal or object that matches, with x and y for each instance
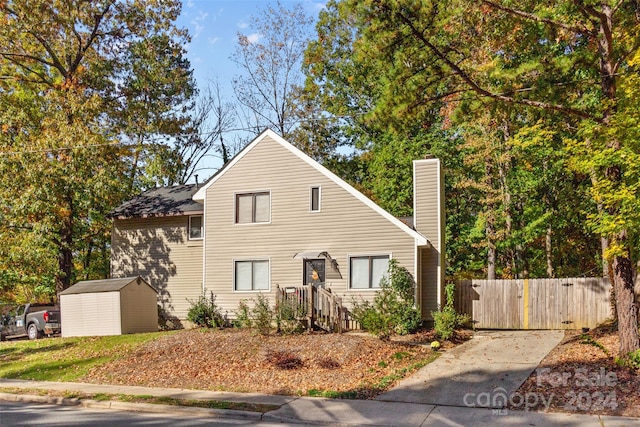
(32, 332)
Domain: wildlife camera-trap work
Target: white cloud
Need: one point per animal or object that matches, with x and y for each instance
(243, 25)
(214, 40)
(317, 6)
(198, 22)
(254, 38)
(190, 3)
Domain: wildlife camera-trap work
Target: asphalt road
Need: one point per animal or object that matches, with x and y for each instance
(31, 414)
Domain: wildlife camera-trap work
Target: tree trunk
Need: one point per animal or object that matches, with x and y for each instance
(490, 226)
(87, 259)
(491, 251)
(548, 249)
(604, 245)
(504, 167)
(65, 254)
(625, 305)
(105, 261)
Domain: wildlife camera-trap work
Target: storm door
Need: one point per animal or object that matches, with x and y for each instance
(314, 271)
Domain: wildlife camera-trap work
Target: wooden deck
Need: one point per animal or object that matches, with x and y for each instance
(317, 307)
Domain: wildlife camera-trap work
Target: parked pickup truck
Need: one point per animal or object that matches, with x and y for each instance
(31, 320)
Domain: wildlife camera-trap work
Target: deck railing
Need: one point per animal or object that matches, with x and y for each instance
(317, 307)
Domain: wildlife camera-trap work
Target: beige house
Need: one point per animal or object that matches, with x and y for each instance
(158, 236)
(272, 217)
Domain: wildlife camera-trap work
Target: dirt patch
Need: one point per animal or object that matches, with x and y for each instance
(580, 376)
(346, 365)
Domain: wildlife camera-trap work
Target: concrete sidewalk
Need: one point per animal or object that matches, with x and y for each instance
(492, 364)
(308, 410)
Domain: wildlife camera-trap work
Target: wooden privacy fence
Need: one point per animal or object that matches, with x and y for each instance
(317, 307)
(570, 303)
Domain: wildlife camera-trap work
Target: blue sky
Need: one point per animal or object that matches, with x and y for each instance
(213, 26)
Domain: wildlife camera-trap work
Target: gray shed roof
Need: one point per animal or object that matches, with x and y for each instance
(162, 201)
(105, 285)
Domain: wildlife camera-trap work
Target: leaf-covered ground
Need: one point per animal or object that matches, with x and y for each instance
(581, 376)
(342, 365)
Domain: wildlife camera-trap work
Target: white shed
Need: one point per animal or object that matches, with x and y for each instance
(109, 307)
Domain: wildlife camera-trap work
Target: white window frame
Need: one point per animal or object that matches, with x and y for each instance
(252, 261)
(319, 188)
(369, 256)
(236, 197)
(201, 227)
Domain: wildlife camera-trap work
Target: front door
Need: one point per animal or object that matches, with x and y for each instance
(314, 271)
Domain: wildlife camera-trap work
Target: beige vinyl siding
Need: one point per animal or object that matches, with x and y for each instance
(93, 314)
(158, 250)
(345, 226)
(429, 221)
(429, 294)
(139, 312)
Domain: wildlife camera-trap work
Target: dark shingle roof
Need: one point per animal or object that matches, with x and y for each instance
(161, 201)
(408, 220)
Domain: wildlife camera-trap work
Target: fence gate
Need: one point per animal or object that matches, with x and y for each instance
(570, 303)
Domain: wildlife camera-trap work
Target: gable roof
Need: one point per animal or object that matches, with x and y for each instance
(199, 196)
(105, 285)
(162, 201)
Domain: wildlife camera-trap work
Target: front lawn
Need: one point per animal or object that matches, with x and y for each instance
(332, 365)
(65, 359)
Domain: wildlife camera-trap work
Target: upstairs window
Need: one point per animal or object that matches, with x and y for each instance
(195, 227)
(253, 208)
(315, 199)
(366, 272)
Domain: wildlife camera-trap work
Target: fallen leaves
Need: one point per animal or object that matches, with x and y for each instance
(580, 375)
(241, 360)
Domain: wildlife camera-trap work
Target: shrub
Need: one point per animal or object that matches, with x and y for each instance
(392, 311)
(288, 313)
(262, 315)
(632, 360)
(243, 315)
(447, 320)
(205, 312)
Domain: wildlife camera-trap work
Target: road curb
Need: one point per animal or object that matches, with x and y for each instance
(39, 399)
(292, 420)
(132, 406)
(193, 410)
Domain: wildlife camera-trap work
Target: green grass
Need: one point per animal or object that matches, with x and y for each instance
(209, 404)
(587, 339)
(333, 394)
(65, 359)
(386, 381)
